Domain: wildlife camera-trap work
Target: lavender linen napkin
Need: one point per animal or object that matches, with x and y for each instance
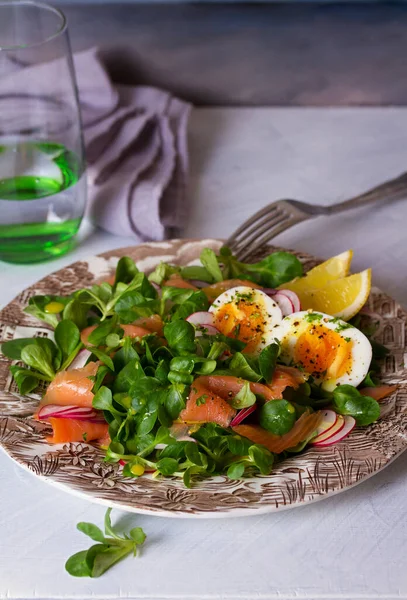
(136, 146)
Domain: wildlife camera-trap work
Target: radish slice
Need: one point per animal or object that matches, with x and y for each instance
(207, 330)
(336, 428)
(80, 360)
(295, 301)
(242, 415)
(81, 413)
(349, 424)
(329, 418)
(287, 307)
(200, 318)
(277, 297)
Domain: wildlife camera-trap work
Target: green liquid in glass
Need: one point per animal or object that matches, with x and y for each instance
(41, 205)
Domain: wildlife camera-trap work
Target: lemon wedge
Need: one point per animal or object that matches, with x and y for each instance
(341, 298)
(332, 269)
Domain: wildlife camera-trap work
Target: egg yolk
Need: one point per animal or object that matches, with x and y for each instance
(243, 319)
(322, 352)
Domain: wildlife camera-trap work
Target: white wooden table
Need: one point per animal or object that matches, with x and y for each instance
(349, 546)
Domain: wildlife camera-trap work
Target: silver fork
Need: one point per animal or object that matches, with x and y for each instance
(278, 216)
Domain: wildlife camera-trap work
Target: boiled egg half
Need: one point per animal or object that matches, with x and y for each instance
(332, 351)
(247, 314)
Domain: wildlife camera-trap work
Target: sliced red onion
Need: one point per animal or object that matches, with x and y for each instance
(80, 360)
(242, 415)
(293, 297)
(200, 318)
(287, 307)
(207, 330)
(198, 283)
(81, 413)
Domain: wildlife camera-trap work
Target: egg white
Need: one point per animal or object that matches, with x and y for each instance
(271, 312)
(292, 326)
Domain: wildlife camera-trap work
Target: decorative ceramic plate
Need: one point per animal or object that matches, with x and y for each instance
(79, 468)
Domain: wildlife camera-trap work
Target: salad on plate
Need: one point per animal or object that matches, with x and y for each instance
(217, 368)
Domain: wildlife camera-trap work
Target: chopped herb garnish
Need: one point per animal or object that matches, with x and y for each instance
(201, 400)
(312, 316)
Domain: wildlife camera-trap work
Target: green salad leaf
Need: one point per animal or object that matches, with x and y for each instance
(13, 348)
(271, 272)
(38, 358)
(111, 547)
(268, 360)
(26, 379)
(277, 416)
(162, 272)
(76, 312)
(210, 263)
(180, 336)
(126, 270)
(276, 269)
(196, 272)
(244, 398)
(38, 308)
(245, 367)
(348, 400)
(68, 340)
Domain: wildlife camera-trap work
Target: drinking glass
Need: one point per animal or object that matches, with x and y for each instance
(42, 166)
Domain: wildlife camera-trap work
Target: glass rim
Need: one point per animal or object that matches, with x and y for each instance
(42, 5)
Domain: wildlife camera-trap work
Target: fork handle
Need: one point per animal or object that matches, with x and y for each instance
(385, 192)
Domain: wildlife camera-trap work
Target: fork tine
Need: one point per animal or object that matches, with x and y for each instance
(259, 222)
(266, 221)
(257, 231)
(267, 210)
(262, 241)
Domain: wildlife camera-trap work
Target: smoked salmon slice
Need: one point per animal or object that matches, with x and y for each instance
(129, 331)
(216, 289)
(177, 281)
(154, 324)
(74, 430)
(204, 406)
(379, 392)
(302, 429)
(227, 386)
(72, 387)
(284, 377)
